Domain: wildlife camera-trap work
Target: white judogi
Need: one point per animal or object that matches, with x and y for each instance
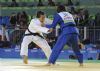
(35, 27)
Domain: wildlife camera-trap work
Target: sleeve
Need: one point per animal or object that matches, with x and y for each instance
(55, 22)
(33, 27)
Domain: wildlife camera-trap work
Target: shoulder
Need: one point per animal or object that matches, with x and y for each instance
(56, 15)
(33, 20)
(64, 13)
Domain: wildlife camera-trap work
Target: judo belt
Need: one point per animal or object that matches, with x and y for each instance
(35, 34)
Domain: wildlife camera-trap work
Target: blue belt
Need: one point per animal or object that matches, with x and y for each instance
(70, 25)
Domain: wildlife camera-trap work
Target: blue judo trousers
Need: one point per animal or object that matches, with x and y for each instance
(69, 35)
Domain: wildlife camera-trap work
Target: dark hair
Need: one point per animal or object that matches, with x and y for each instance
(39, 13)
(60, 8)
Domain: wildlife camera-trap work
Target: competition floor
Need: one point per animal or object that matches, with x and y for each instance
(39, 65)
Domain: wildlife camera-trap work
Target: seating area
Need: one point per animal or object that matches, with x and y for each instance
(31, 3)
(87, 15)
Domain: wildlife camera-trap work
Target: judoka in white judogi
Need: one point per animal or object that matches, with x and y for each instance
(35, 27)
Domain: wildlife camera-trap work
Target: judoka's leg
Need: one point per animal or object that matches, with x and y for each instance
(76, 49)
(24, 48)
(62, 40)
(42, 43)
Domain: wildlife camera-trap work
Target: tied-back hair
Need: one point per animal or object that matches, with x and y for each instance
(61, 8)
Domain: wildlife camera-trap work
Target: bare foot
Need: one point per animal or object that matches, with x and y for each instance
(25, 59)
(81, 65)
(49, 64)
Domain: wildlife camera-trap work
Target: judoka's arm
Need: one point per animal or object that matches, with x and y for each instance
(55, 22)
(37, 28)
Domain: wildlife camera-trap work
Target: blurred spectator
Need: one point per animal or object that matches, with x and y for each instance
(18, 18)
(88, 44)
(69, 3)
(97, 19)
(22, 19)
(75, 16)
(91, 21)
(13, 19)
(77, 3)
(86, 17)
(51, 40)
(72, 10)
(14, 3)
(78, 18)
(3, 42)
(0, 32)
(89, 47)
(86, 41)
(51, 3)
(99, 56)
(82, 18)
(33, 45)
(40, 3)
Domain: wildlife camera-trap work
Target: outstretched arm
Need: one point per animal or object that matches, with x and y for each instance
(34, 27)
(55, 22)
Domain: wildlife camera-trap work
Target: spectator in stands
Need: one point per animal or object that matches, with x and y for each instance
(99, 56)
(3, 38)
(18, 18)
(78, 18)
(91, 21)
(77, 3)
(72, 10)
(97, 19)
(51, 3)
(82, 17)
(88, 45)
(70, 3)
(23, 19)
(86, 17)
(40, 3)
(0, 32)
(13, 19)
(14, 3)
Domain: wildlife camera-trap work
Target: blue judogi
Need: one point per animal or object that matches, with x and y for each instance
(69, 34)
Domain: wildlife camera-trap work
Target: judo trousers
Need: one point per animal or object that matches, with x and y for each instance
(71, 39)
(42, 43)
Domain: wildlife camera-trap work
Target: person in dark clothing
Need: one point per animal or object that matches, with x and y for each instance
(13, 19)
(70, 3)
(97, 19)
(40, 3)
(14, 3)
(51, 3)
(22, 19)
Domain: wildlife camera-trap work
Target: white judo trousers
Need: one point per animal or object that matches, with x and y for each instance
(41, 42)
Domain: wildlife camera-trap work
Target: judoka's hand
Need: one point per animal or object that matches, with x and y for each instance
(50, 30)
